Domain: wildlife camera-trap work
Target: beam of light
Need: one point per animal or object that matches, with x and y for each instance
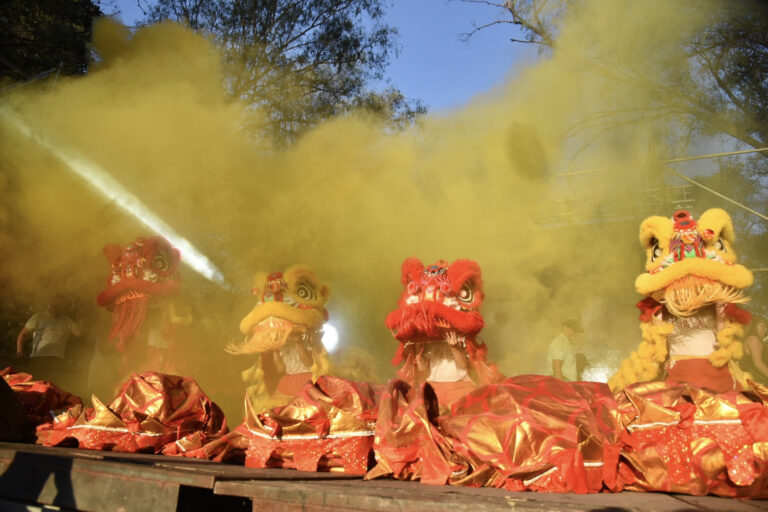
(100, 180)
(330, 337)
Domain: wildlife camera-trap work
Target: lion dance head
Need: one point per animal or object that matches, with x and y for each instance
(439, 303)
(690, 266)
(142, 270)
(287, 319)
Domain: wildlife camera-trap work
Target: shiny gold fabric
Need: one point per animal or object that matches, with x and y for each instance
(527, 432)
(152, 412)
(328, 426)
(688, 440)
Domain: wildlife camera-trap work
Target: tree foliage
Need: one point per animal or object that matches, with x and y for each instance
(299, 61)
(726, 90)
(43, 35)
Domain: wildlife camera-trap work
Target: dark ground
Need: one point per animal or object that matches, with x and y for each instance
(35, 478)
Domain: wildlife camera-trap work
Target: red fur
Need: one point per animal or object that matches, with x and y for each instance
(108, 297)
(422, 321)
(411, 270)
(462, 271)
(419, 322)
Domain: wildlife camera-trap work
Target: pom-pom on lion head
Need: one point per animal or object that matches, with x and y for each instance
(290, 303)
(691, 264)
(438, 299)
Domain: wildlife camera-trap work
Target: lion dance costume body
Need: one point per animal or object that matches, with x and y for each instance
(452, 418)
(690, 320)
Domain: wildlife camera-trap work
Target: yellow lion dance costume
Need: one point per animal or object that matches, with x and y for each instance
(689, 319)
(284, 330)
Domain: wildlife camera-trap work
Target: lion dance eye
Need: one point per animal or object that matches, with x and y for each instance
(655, 249)
(305, 292)
(160, 262)
(719, 245)
(465, 294)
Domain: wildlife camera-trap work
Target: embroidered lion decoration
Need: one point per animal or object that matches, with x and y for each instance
(691, 324)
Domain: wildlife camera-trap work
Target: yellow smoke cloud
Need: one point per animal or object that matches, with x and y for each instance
(352, 199)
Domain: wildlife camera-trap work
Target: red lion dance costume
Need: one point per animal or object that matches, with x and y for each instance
(143, 270)
(452, 419)
(437, 322)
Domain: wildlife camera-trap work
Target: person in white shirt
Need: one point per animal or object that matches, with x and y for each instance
(50, 330)
(562, 355)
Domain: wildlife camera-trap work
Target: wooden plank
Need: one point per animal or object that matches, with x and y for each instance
(181, 464)
(51, 478)
(723, 504)
(393, 495)
(64, 482)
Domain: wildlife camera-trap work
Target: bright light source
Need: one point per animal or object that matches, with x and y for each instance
(597, 374)
(100, 179)
(330, 337)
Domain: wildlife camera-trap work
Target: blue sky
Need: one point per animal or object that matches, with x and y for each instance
(434, 64)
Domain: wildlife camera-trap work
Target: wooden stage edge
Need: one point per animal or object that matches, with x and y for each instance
(36, 478)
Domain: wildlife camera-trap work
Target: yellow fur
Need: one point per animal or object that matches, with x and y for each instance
(737, 276)
(645, 363)
(312, 317)
(685, 286)
(661, 229)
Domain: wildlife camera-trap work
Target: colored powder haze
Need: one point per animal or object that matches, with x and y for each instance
(350, 199)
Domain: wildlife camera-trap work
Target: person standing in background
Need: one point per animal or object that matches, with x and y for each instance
(51, 330)
(755, 349)
(562, 354)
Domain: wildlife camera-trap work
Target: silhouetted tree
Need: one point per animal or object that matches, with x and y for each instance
(298, 61)
(43, 35)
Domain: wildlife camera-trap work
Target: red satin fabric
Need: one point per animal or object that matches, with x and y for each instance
(152, 412)
(39, 398)
(327, 426)
(699, 372)
(682, 439)
(527, 432)
(541, 434)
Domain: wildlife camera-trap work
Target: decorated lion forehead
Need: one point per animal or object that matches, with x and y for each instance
(147, 266)
(438, 298)
(296, 296)
(682, 247)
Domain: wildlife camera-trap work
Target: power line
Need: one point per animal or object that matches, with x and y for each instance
(683, 177)
(667, 161)
(718, 194)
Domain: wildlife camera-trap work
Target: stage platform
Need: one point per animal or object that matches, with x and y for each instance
(35, 478)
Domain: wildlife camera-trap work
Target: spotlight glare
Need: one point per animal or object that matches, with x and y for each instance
(330, 337)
